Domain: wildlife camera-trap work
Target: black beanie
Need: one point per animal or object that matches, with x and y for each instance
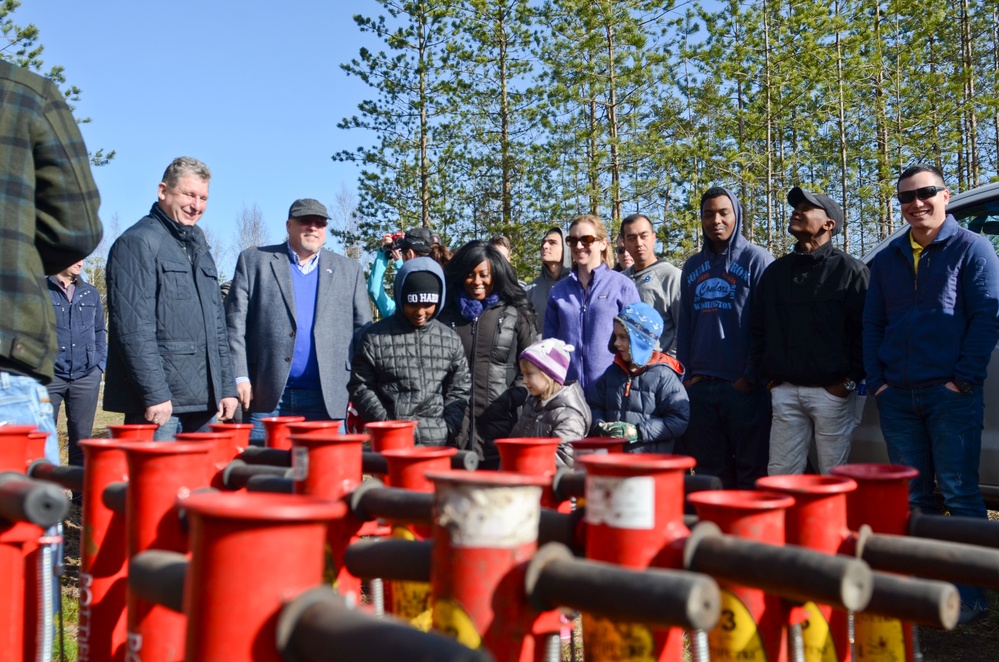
(421, 287)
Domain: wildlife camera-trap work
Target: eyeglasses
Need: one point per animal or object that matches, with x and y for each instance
(586, 241)
(924, 193)
(315, 221)
(622, 251)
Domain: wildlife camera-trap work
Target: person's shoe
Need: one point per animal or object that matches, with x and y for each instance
(971, 615)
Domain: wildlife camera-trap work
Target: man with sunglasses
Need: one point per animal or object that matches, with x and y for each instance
(292, 313)
(931, 322)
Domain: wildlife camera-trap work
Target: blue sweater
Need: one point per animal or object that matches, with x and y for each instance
(585, 319)
(936, 327)
(716, 291)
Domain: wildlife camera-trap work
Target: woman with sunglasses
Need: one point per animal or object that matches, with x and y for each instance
(624, 259)
(490, 312)
(582, 307)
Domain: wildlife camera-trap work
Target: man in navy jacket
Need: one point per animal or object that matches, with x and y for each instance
(931, 321)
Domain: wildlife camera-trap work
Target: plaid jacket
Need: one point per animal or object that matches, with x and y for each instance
(48, 214)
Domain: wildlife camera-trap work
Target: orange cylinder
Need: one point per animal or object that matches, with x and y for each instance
(276, 430)
(14, 447)
(387, 435)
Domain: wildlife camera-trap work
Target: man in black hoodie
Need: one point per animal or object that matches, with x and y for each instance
(807, 340)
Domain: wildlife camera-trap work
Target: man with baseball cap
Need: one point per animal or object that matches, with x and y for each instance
(807, 339)
(292, 312)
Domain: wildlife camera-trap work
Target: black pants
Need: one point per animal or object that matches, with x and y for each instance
(81, 397)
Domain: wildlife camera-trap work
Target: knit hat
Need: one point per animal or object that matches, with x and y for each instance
(551, 356)
(421, 287)
(644, 326)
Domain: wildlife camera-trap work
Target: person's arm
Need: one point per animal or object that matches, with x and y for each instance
(551, 325)
(684, 325)
(980, 289)
(757, 327)
(100, 334)
(376, 285)
(854, 331)
(671, 290)
(362, 311)
(67, 228)
(874, 321)
(457, 390)
(671, 416)
(363, 384)
(131, 288)
(598, 402)
(236, 306)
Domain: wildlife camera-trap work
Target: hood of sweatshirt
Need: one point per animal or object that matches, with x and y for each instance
(566, 257)
(736, 237)
(415, 265)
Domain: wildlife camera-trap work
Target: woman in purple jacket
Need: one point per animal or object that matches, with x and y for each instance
(582, 307)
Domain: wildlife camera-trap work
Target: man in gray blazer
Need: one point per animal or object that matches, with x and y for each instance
(292, 312)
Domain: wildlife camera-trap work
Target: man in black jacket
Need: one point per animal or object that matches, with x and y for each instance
(806, 339)
(168, 353)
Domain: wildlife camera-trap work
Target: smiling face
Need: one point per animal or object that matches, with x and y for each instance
(622, 342)
(587, 256)
(640, 240)
(718, 220)
(924, 215)
(418, 314)
(306, 234)
(185, 202)
(479, 282)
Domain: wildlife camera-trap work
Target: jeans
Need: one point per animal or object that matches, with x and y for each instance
(294, 402)
(81, 397)
(729, 432)
(188, 422)
(939, 432)
(24, 401)
(802, 414)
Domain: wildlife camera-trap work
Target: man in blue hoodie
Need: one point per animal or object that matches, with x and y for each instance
(930, 325)
(729, 429)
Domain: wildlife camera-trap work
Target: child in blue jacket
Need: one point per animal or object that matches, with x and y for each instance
(640, 397)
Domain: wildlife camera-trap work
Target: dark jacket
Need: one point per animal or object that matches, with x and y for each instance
(716, 292)
(564, 415)
(166, 332)
(492, 342)
(81, 329)
(939, 326)
(539, 288)
(48, 203)
(404, 372)
(652, 399)
(807, 319)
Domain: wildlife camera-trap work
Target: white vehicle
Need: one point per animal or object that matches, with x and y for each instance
(977, 210)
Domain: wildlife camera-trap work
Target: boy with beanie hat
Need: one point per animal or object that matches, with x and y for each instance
(553, 408)
(640, 397)
(410, 366)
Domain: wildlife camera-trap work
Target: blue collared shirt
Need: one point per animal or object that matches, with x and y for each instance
(310, 264)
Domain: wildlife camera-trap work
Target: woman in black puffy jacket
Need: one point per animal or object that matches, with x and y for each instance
(491, 314)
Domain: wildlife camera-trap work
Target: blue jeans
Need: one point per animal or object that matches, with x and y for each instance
(187, 422)
(938, 432)
(729, 432)
(24, 401)
(294, 402)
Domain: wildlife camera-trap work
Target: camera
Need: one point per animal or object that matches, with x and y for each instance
(390, 242)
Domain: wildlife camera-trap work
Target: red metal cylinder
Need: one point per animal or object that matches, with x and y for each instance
(159, 474)
(18, 626)
(35, 446)
(223, 451)
(276, 430)
(597, 446)
(881, 501)
(753, 624)
(14, 447)
(817, 520)
(534, 456)
(634, 518)
(328, 466)
(486, 530)
(387, 435)
(304, 427)
(251, 554)
(240, 434)
(102, 628)
(136, 431)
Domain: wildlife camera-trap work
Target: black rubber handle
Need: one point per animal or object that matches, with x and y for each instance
(372, 500)
(271, 484)
(24, 499)
(969, 530)
(390, 558)
(113, 497)
(920, 601)
(157, 576)
(237, 473)
(933, 559)
(259, 455)
(69, 476)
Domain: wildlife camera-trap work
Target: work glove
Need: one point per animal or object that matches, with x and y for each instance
(618, 429)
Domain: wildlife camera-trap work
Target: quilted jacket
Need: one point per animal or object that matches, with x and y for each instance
(564, 415)
(166, 332)
(404, 372)
(652, 399)
(492, 343)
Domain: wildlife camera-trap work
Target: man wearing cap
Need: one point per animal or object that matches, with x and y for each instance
(292, 313)
(931, 322)
(416, 242)
(806, 333)
(168, 355)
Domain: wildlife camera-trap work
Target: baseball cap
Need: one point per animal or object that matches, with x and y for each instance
(419, 240)
(832, 209)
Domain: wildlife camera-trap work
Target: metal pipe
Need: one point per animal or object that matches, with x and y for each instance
(390, 558)
(969, 530)
(921, 601)
(238, 472)
(69, 477)
(23, 499)
(372, 500)
(276, 457)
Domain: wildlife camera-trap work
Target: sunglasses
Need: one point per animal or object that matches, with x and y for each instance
(586, 241)
(925, 193)
(622, 251)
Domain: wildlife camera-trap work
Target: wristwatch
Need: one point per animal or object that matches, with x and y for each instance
(849, 384)
(964, 385)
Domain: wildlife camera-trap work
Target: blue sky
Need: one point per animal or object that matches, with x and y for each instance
(253, 89)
